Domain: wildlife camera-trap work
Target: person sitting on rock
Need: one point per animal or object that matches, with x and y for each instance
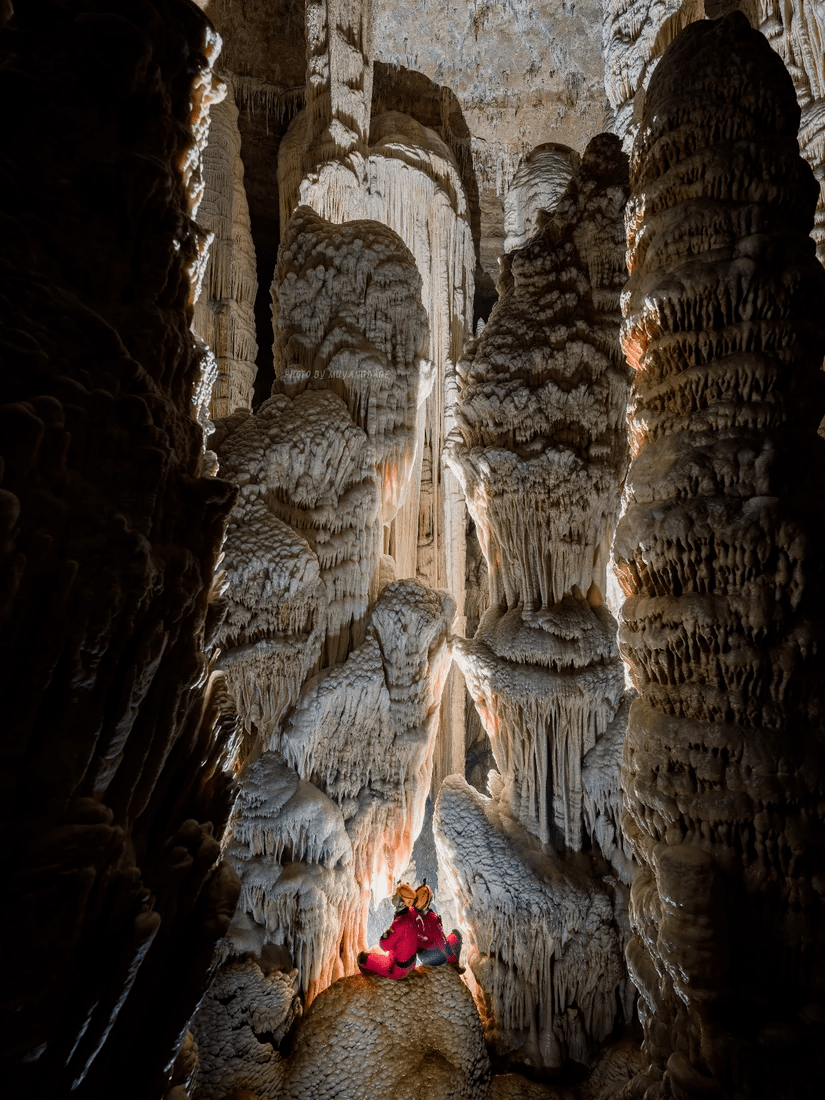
(434, 948)
(395, 955)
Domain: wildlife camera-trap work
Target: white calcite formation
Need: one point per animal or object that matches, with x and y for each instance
(338, 686)
(339, 75)
(602, 796)
(540, 450)
(364, 732)
(635, 34)
(720, 555)
(289, 845)
(349, 320)
(347, 165)
(302, 548)
(537, 186)
(322, 473)
(224, 311)
(408, 180)
(541, 941)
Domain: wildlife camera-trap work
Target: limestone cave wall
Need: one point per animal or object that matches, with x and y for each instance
(115, 730)
(318, 327)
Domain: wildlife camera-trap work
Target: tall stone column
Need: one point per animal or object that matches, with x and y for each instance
(224, 311)
(720, 554)
(540, 449)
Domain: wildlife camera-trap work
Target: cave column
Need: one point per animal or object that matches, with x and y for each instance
(721, 558)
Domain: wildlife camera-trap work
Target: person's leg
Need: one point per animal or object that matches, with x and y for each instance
(454, 947)
(376, 962)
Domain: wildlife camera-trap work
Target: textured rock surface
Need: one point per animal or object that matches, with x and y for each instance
(797, 33)
(541, 945)
(406, 179)
(224, 311)
(338, 686)
(636, 34)
(241, 1023)
(524, 74)
(540, 451)
(317, 831)
(113, 729)
(381, 1040)
(537, 186)
(720, 555)
(362, 1038)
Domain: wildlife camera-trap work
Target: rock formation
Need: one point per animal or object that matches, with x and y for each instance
(347, 164)
(362, 1038)
(224, 317)
(636, 34)
(540, 450)
(545, 952)
(115, 727)
(720, 555)
(537, 186)
(395, 151)
(337, 674)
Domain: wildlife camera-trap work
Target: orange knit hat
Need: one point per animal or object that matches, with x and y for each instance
(404, 895)
(423, 897)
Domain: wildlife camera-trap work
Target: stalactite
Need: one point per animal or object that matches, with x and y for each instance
(224, 310)
(720, 557)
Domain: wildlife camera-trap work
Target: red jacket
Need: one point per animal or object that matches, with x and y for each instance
(434, 948)
(396, 957)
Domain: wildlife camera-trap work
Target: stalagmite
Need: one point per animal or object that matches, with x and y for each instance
(540, 451)
(223, 316)
(542, 944)
(537, 186)
(338, 675)
(720, 555)
(636, 33)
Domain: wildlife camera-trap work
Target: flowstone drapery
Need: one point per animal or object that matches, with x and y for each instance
(540, 451)
(720, 555)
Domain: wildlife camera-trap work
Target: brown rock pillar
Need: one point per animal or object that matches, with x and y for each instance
(720, 555)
